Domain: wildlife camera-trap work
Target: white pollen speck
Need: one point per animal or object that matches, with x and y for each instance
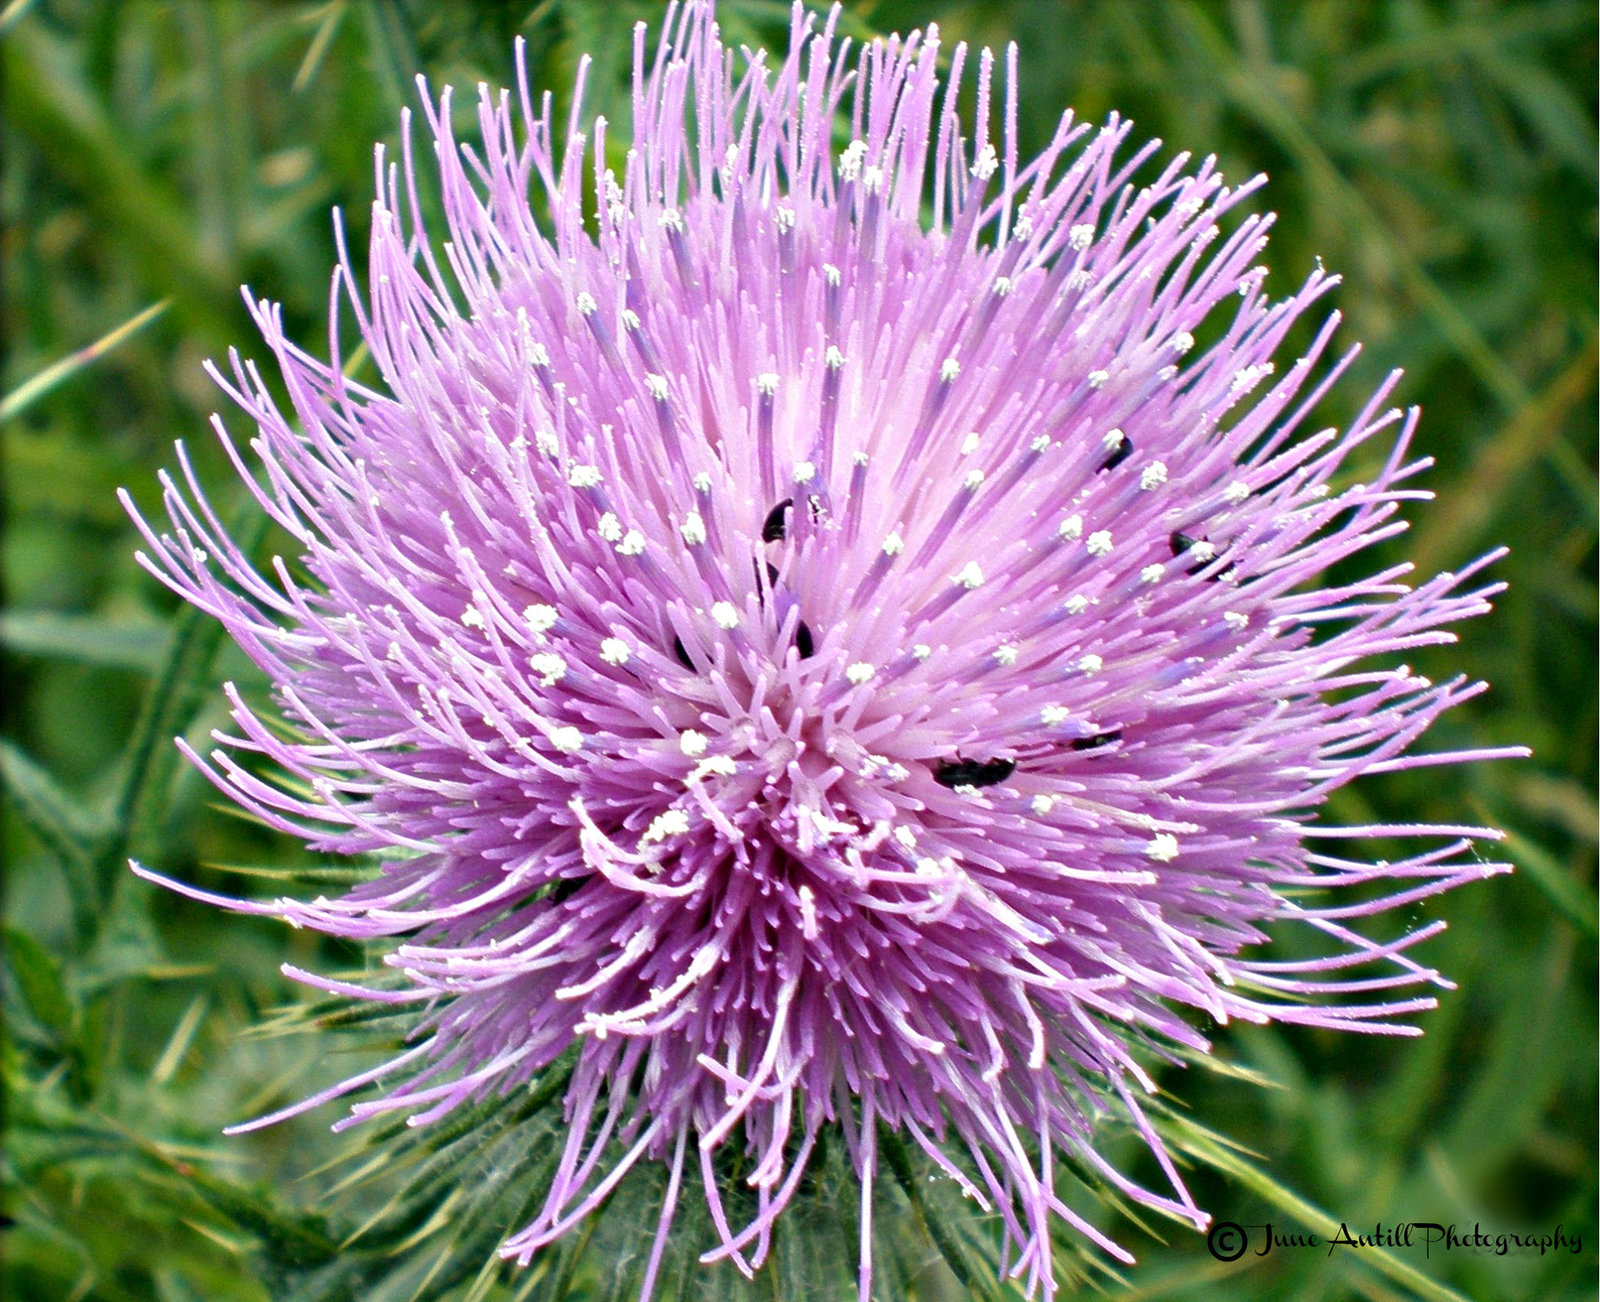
(670, 219)
(859, 458)
(974, 480)
(1071, 528)
(767, 382)
(586, 303)
(1203, 551)
(721, 765)
(872, 179)
(905, 835)
(609, 527)
(692, 743)
(1091, 663)
(541, 618)
(921, 651)
(583, 476)
(630, 319)
(1182, 342)
(674, 822)
(1153, 475)
(614, 651)
(566, 739)
(970, 577)
(1097, 379)
(1043, 804)
(850, 160)
(1075, 604)
(969, 445)
(1053, 715)
(632, 543)
(546, 442)
(949, 369)
(860, 672)
(1163, 848)
(1321, 490)
(693, 529)
(1006, 655)
(657, 384)
(893, 545)
(539, 355)
(1001, 286)
(1236, 618)
(830, 273)
(1152, 573)
(1237, 491)
(1081, 236)
(550, 667)
(1111, 440)
(833, 359)
(1041, 444)
(987, 163)
(804, 472)
(471, 617)
(726, 614)
(928, 866)
(702, 482)
(1099, 543)
(783, 218)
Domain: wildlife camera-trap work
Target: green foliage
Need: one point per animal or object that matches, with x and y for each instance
(1440, 153)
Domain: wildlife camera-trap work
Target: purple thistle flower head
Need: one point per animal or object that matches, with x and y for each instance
(815, 634)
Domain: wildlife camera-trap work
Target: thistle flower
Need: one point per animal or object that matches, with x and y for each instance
(817, 633)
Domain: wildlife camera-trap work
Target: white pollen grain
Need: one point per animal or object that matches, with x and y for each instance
(921, 651)
(692, 743)
(632, 543)
(1006, 655)
(969, 445)
(567, 739)
(609, 527)
(860, 672)
(1071, 529)
(693, 529)
(726, 614)
(471, 617)
(893, 545)
(949, 369)
(1054, 715)
(1091, 664)
(1182, 342)
(540, 617)
(614, 651)
(1099, 543)
(1236, 618)
(804, 472)
(1043, 804)
(1153, 476)
(833, 359)
(1236, 492)
(550, 667)
(971, 576)
(1111, 440)
(702, 482)
(1152, 573)
(630, 319)
(584, 476)
(586, 303)
(767, 383)
(1163, 848)
(1098, 378)
(1081, 236)
(1076, 604)
(974, 481)
(1001, 286)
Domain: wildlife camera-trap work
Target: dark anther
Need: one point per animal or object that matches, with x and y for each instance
(973, 773)
(1098, 739)
(772, 575)
(1119, 454)
(774, 528)
(803, 642)
(683, 655)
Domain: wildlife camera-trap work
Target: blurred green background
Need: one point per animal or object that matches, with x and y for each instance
(1441, 154)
